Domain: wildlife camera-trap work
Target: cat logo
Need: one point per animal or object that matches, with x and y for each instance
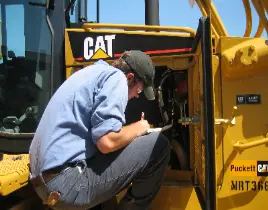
(98, 48)
(262, 167)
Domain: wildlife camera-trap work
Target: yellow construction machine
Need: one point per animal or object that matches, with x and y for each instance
(211, 87)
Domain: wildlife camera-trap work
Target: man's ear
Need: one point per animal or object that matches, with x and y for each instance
(130, 77)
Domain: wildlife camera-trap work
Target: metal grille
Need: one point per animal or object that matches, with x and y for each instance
(199, 162)
(199, 147)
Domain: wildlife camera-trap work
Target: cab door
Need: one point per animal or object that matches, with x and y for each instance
(202, 112)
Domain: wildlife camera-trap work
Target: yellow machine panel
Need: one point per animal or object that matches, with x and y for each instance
(176, 198)
(245, 101)
(14, 173)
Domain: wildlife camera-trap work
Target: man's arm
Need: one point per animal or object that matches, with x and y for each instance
(113, 141)
(108, 114)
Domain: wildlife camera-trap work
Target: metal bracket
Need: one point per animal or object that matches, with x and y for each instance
(189, 120)
(231, 121)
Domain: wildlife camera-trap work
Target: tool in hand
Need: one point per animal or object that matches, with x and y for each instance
(142, 116)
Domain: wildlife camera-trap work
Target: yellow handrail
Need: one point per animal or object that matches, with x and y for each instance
(265, 4)
(207, 8)
(246, 145)
(140, 27)
(259, 30)
(259, 7)
(248, 18)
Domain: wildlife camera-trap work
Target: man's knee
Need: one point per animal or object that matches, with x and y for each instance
(162, 145)
(156, 142)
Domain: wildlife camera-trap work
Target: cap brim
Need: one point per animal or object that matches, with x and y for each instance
(149, 93)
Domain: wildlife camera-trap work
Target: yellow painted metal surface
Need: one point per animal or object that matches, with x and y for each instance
(132, 28)
(248, 17)
(69, 59)
(14, 173)
(176, 198)
(260, 8)
(216, 75)
(173, 198)
(244, 57)
(259, 30)
(244, 141)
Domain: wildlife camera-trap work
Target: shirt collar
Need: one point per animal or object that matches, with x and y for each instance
(101, 62)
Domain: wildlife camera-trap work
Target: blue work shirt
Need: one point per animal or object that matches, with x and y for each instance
(90, 103)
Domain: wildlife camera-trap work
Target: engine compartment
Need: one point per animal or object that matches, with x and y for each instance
(170, 107)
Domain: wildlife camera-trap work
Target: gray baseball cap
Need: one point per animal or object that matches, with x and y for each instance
(142, 64)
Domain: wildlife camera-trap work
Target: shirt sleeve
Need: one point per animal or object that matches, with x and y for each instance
(108, 113)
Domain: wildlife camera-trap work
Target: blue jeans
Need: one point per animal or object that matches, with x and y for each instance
(91, 182)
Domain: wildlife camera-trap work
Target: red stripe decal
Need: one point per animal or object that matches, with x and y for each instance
(153, 52)
(160, 51)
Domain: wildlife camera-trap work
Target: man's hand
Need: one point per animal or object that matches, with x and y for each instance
(143, 127)
(113, 141)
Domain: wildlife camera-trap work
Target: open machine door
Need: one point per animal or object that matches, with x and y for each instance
(201, 108)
